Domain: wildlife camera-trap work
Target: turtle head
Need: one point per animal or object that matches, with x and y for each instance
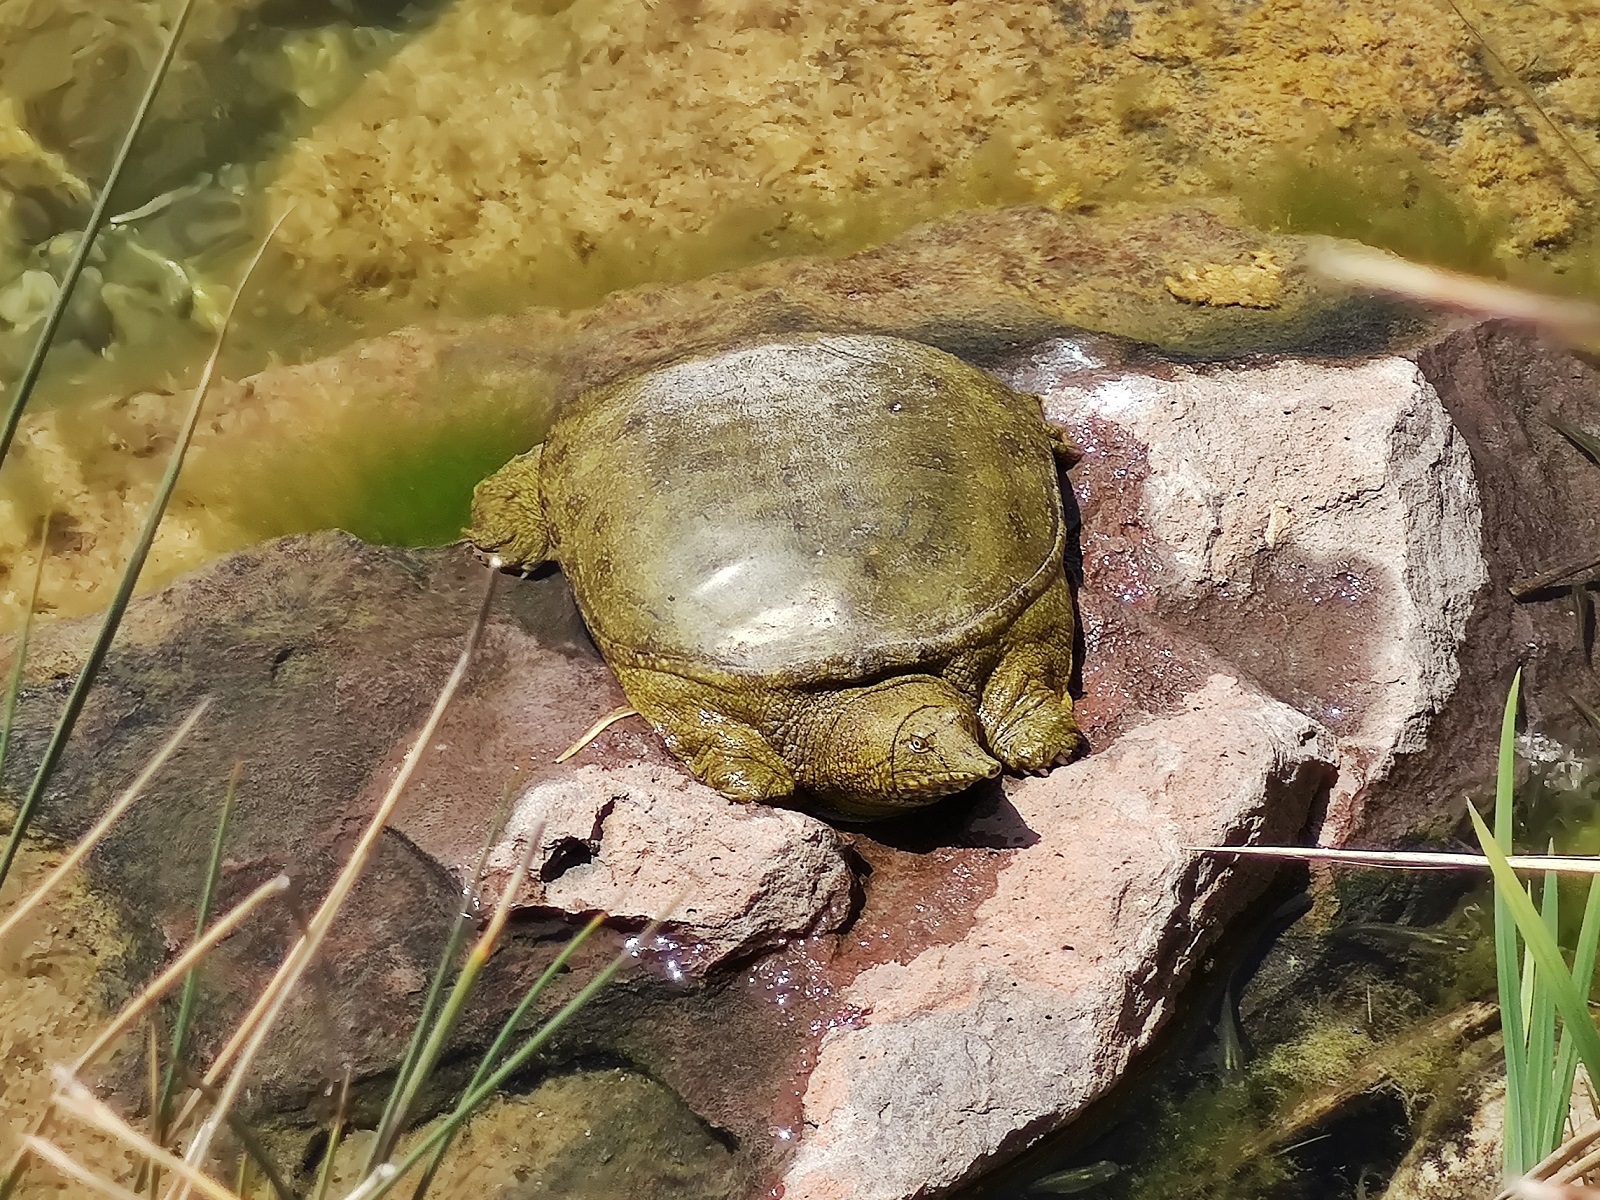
(899, 745)
(508, 526)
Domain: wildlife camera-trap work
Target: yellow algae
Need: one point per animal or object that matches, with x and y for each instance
(570, 152)
(515, 153)
(1256, 284)
(53, 1001)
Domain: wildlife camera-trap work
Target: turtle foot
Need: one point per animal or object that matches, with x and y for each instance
(1035, 735)
(759, 778)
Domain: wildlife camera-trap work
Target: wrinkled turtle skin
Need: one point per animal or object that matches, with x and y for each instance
(826, 564)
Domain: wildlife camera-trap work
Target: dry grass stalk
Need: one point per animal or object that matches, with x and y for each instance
(595, 730)
(253, 1034)
(1572, 320)
(175, 972)
(1554, 1167)
(1411, 860)
(112, 815)
(1539, 1189)
(74, 1098)
(59, 1159)
(335, 1136)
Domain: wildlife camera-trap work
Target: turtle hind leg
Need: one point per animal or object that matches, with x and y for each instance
(727, 753)
(1025, 710)
(508, 514)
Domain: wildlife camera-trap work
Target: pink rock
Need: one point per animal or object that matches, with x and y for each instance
(645, 841)
(1069, 966)
(1318, 525)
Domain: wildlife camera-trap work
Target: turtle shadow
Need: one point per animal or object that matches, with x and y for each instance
(982, 817)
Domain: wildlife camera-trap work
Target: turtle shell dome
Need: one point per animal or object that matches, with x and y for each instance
(806, 508)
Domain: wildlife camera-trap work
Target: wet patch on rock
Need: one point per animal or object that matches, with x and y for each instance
(1317, 524)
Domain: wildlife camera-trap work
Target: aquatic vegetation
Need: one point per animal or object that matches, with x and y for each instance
(570, 160)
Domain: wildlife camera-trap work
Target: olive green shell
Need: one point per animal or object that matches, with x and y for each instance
(818, 507)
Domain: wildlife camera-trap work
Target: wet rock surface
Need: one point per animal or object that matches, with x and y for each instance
(323, 654)
(964, 1050)
(1284, 606)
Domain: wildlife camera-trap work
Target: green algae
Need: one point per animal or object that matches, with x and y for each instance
(391, 482)
(1385, 198)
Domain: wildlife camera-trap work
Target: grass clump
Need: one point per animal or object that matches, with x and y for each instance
(1544, 1002)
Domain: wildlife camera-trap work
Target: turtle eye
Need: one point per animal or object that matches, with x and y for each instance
(919, 745)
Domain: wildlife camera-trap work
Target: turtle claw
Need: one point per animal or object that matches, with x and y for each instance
(1036, 737)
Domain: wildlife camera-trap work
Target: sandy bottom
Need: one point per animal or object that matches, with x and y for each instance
(53, 1005)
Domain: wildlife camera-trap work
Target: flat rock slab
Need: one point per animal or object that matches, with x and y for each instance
(964, 1051)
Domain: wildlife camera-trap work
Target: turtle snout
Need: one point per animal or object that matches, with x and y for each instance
(937, 752)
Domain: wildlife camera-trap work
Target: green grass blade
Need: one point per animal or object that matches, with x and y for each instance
(383, 1180)
(1583, 964)
(419, 1034)
(1508, 953)
(508, 1029)
(14, 683)
(97, 217)
(450, 1014)
(191, 982)
(430, 1004)
(1571, 1003)
(130, 577)
(1542, 1097)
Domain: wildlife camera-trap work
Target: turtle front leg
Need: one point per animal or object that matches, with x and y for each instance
(508, 514)
(1025, 712)
(727, 753)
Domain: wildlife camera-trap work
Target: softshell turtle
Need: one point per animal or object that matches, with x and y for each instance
(825, 563)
